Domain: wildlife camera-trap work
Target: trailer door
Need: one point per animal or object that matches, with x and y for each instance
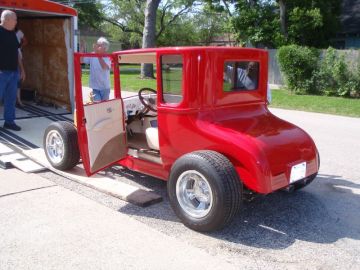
(100, 125)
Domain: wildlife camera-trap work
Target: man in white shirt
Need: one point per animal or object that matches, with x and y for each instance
(99, 71)
(246, 78)
(22, 41)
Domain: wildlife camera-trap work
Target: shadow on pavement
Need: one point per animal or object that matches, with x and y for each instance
(277, 220)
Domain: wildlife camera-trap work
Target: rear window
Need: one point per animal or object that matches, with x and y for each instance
(241, 76)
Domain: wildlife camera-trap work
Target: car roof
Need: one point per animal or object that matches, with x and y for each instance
(192, 48)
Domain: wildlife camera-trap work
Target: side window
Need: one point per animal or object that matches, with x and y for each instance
(172, 78)
(242, 75)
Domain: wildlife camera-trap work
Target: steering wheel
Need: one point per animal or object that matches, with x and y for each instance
(146, 99)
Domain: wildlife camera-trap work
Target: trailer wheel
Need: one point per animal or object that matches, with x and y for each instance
(61, 145)
(205, 191)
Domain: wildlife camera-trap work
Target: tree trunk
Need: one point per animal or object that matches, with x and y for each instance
(283, 26)
(252, 3)
(149, 34)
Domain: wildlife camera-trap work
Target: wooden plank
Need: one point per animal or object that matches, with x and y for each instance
(6, 160)
(4, 150)
(104, 184)
(28, 166)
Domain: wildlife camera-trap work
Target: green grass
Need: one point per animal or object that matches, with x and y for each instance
(172, 81)
(131, 81)
(322, 104)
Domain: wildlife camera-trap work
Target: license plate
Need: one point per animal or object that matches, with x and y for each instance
(298, 172)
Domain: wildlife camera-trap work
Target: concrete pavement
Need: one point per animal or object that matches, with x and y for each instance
(45, 226)
(315, 228)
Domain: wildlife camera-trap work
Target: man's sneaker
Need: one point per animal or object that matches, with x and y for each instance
(12, 126)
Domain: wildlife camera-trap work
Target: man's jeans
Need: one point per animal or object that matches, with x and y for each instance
(101, 94)
(8, 88)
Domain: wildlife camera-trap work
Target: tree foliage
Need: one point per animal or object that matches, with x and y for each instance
(128, 17)
(89, 12)
(257, 23)
(298, 64)
(198, 28)
(270, 23)
(313, 22)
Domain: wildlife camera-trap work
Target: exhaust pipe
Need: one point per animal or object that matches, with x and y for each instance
(289, 188)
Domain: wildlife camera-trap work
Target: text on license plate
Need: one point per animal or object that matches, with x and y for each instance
(298, 172)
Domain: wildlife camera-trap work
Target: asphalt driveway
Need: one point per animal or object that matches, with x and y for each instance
(315, 228)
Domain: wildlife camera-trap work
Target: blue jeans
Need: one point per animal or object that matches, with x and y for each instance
(102, 94)
(8, 88)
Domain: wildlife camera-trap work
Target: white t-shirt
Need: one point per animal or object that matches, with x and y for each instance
(243, 80)
(99, 77)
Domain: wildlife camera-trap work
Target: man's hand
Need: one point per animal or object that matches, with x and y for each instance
(22, 69)
(103, 64)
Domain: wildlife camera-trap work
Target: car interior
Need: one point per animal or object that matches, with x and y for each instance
(141, 110)
(140, 101)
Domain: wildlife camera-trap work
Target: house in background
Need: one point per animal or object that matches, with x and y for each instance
(349, 36)
(88, 36)
(226, 39)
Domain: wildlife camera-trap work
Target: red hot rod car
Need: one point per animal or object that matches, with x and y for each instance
(202, 125)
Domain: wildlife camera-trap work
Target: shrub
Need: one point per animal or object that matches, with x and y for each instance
(334, 78)
(299, 64)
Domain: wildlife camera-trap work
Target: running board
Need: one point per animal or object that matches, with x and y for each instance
(145, 154)
(100, 181)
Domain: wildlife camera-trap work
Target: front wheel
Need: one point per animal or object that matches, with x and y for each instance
(204, 190)
(61, 145)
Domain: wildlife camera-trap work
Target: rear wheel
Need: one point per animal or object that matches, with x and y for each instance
(204, 190)
(61, 145)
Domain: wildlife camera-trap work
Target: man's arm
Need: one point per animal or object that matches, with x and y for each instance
(22, 69)
(103, 64)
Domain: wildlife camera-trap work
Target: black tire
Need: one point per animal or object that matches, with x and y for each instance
(225, 185)
(68, 134)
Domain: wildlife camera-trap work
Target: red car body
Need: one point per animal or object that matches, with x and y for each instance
(262, 148)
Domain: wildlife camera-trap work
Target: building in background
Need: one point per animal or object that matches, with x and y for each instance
(88, 36)
(349, 36)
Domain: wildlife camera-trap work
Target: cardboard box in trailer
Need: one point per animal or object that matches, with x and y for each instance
(49, 28)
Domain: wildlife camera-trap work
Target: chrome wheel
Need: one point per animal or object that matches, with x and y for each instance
(194, 194)
(55, 146)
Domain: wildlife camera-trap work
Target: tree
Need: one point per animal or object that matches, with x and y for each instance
(255, 22)
(89, 12)
(149, 34)
(273, 23)
(141, 19)
(313, 18)
(282, 9)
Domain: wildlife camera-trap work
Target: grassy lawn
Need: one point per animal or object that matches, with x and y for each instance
(130, 81)
(331, 105)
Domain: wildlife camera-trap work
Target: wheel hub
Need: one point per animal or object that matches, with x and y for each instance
(194, 194)
(55, 146)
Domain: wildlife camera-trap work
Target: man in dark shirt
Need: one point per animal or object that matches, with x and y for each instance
(9, 63)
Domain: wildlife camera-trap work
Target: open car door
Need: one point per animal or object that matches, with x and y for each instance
(100, 125)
